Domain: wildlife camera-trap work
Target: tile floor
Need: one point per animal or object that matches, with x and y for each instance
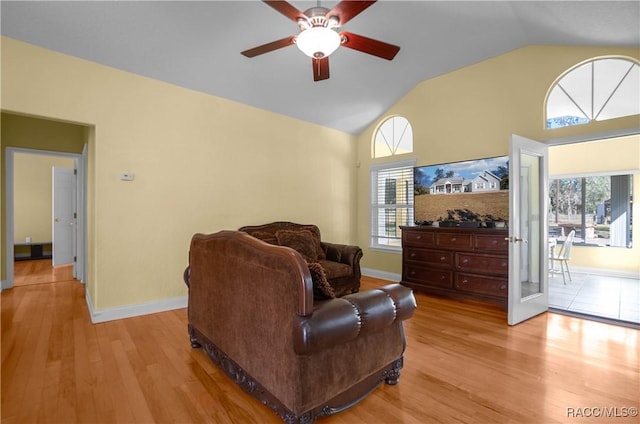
(607, 297)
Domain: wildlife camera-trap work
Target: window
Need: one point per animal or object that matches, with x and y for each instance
(393, 137)
(596, 90)
(391, 203)
(597, 207)
(391, 184)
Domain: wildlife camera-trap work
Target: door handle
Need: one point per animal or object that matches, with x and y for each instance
(515, 239)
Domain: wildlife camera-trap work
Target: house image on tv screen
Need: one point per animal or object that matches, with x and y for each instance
(468, 191)
(485, 181)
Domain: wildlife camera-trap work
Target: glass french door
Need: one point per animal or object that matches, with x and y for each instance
(528, 242)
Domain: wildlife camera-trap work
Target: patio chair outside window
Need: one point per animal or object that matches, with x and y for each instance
(563, 256)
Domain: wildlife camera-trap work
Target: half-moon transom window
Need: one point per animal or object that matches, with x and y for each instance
(393, 137)
(596, 90)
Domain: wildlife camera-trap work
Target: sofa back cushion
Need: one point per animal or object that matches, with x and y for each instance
(267, 233)
(265, 236)
(302, 241)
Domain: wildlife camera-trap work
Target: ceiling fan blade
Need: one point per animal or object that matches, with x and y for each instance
(286, 9)
(320, 68)
(266, 48)
(349, 9)
(369, 45)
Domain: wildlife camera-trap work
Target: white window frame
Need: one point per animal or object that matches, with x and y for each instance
(374, 235)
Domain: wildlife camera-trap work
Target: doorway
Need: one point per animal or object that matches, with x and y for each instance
(603, 281)
(39, 135)
(31, 222)
(36, 246)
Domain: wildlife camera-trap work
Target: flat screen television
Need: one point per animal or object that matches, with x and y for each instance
(471, 193)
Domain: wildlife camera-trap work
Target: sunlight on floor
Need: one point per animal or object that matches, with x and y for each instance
(608, 297)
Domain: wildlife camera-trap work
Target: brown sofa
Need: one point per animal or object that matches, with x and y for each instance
(251, 306)
(340, 262)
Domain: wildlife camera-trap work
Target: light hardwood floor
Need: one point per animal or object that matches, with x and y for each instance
(39, 272)
(463, 364)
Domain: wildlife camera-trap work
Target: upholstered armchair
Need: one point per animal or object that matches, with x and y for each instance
(340, 262)
(253, 310)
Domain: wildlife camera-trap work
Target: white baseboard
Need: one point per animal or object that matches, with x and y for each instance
(4, 284)
(384, 275)
(604, 272)
(121, 312)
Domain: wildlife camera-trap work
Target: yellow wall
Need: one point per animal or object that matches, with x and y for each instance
(31, 133)
(32, 187)
(618, 154)
(201, 164)
(472, 112)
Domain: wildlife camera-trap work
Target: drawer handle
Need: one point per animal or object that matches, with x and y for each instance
(494, 242)
(413, 254)
(442, 277)
(453, 239)
(464, 281)
(413, 273)
(503, 287)
(418, 237)
(465, 261)
(442, 258)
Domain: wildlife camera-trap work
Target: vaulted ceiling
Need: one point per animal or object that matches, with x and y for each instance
(197, 45)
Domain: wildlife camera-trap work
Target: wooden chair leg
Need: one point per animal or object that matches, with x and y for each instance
(566, 264)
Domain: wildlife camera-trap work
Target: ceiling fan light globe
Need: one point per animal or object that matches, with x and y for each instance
(318, 42)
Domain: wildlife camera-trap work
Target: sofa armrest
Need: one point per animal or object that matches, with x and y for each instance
(342, 253)
(340, 320)
(186, 275)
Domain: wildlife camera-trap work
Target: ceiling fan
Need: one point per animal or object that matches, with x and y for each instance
(318, 36)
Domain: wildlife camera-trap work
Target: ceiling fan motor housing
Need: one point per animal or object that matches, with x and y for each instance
(317, 17)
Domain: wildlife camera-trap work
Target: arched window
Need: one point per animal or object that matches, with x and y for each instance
(596, 90)
(394, 136)
(391, 184)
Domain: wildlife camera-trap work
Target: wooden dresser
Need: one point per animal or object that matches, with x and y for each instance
(471, 263)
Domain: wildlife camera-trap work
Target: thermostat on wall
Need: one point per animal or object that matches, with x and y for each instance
(126, 177)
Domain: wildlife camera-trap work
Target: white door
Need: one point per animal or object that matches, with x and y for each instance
(528, 243)
(64, 229)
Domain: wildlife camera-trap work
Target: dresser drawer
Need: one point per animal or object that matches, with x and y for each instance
(429, 277)
(497, 243)
(439, 258)
(454, 241)
(485, 264)
(494, 286)
(417, 238)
